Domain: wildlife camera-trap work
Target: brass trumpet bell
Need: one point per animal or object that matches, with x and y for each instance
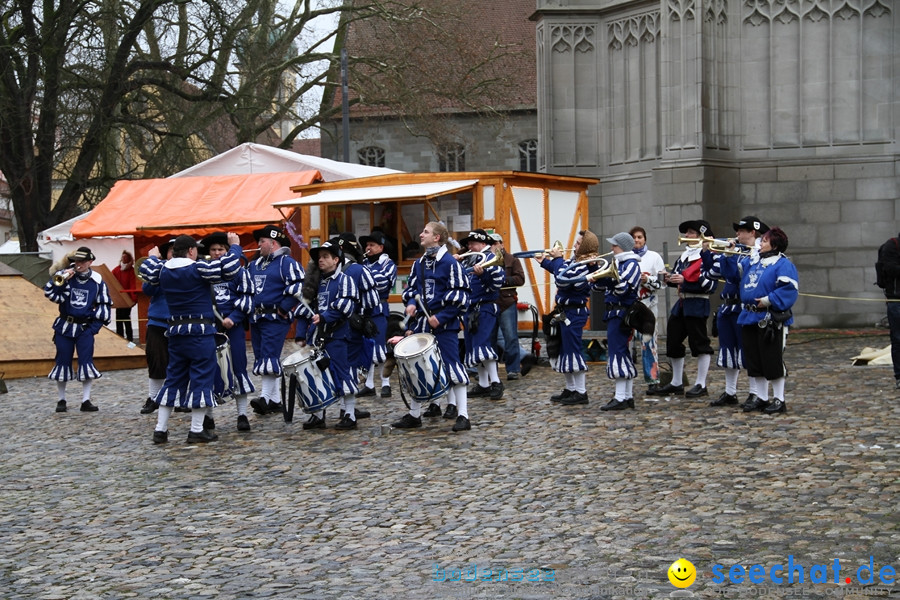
(496, 260)
(606, 271)
(557, 245)
(61, 277)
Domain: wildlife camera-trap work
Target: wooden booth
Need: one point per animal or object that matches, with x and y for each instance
(530, 210)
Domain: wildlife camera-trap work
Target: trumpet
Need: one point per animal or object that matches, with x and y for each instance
(609, 270)
(483, 263)
(61, 277)
(593, 259)
(715, 244)
(557, 245)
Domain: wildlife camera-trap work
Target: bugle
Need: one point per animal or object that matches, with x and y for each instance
(557, 245)
(496, 260)
(608, 271)
(60, 277)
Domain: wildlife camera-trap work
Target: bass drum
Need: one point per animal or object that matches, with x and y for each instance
(422, 371)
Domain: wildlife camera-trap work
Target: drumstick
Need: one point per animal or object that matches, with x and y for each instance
(422, 306)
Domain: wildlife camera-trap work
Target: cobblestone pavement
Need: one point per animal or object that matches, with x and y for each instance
(599, 503)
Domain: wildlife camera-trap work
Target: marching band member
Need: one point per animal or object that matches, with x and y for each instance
(277, 283)
(156, 347)
(620, 294)
(84, 307)
(359, 351)
(438, 282)
(234, 303)
(384, 273)
(572, 294)
(332, 306)
(688, 316)
(731, 357)
(190, 376)
(769, 289)
(481, 318)
(652, 265)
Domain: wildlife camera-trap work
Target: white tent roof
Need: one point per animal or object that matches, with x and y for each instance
(407, 191)
(257, 158)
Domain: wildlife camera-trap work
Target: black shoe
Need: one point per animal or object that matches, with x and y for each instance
(652, 389)
(575, 398)
(243, 423)
(385, 391)
(408, 422)
(562, 395)
(528, 361)
(149, 407)
(462, 424)
(434, 410)
(450, 412)
(496, 390)
(366, 391)
(201, 438)
(61, 406)
(753, 403)
(260, 406)
(618, 404)
(361, 413)
(724, 400)
(314, 422)
(346, 423)
(86, 406)
(208, 423)
(668, 390)
(160, 437)
(776, 407)
(478, 391)
(274, 408)
(182, 409)
(696, 391)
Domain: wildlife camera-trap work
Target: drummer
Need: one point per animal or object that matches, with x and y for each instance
(233, 304)
(329, 327)
(437, 296)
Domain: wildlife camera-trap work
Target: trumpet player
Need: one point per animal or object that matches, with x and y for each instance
(731, 357)
(481, 317)
(688, 317)
(84, 307)
(572, 293)
(621, 293)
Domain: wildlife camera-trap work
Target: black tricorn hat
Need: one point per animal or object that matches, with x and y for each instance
(699, 225)
(274, 233)
(219, 237)
(377, 237)
(751, 223)
(331, 246)
(83, 253)
(477, 235)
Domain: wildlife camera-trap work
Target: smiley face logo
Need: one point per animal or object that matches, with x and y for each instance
(682, 573)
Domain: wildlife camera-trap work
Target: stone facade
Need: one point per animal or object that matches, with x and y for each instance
(785, 109)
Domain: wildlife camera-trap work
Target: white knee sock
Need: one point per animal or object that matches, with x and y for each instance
(621, 388)
(677, 370)
(570, 382)
(153, 387)
(86, 386)
(269, 387)
(731, 377)
(492, 370)
(778, 388)
(162, 417)
(197, 420)
(751, 384)
(415, 409)
(703, 368)
(462, 400)
(61, 389)
(384, 380)
(629, 388)
(350, 406)
(370, 377)
(483, 379)
(762, 388)
(240, 403)
(578, 379)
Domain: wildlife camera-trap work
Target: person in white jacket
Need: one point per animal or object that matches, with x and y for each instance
(652, 265)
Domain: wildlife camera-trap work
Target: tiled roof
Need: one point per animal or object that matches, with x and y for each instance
(453, 53)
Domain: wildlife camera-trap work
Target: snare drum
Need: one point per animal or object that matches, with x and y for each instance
(421, 368)
(224, 384)
(315, 387)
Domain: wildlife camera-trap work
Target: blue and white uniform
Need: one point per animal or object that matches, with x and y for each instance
(84, 307)
(572, 293)
(367, 300)
(482, 313)
(384, 274)
(190, 376)
(234, 300)
(619, 296)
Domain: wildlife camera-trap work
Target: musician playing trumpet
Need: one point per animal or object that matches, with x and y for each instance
(481, 318)
(731, 356)
(572, 293)
(84, 307)
(621, 293)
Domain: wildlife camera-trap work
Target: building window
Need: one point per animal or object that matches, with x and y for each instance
(372, 156)
(452, 157)
(528, 156)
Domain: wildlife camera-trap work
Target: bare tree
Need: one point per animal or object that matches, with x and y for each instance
(92, 91)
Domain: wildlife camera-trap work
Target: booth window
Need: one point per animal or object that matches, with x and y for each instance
(451, 157)
(528, 156)
(372, 156)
